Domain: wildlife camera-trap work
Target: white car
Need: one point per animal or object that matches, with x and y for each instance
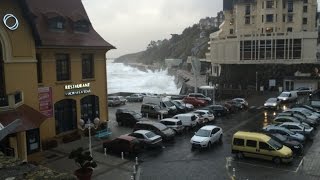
(205, 115)
(301, 128)
(206, 136)
(147, 138)
(241, 101)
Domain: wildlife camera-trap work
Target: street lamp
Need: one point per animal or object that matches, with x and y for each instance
(88, 125)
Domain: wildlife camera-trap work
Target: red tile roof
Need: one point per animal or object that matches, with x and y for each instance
(38, 11)
(30, 118)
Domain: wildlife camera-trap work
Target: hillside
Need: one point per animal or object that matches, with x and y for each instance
(178, 46)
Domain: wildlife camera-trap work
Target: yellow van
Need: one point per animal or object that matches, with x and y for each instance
(257, 145)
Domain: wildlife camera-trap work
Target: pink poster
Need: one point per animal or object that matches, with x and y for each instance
(45, 101)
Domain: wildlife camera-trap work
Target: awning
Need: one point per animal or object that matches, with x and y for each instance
(29, 118)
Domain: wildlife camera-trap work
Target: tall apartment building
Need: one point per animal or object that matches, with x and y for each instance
(52, 72)
(264, 32)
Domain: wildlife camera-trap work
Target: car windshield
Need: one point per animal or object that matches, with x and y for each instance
(137, 115)
(288, 131)
(168, 103)
(275, 144)
(284, 95)
(150, 134)
(177, 102)
(161, 127)
(281, 138)
(271, 100)
(203, 133)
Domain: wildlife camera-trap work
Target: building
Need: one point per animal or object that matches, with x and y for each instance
(53, 72)
(258, 35)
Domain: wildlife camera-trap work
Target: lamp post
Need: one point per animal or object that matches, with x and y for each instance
(88, 125)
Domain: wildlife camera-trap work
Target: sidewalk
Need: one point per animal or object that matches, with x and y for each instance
(109, 166)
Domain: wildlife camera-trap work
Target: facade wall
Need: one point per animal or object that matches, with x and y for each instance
(248, 22)
(97, 84)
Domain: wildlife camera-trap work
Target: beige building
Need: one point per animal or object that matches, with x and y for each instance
(265, 32)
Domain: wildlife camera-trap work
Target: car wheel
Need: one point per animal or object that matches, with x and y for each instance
(277, 160)
(239, 155)
(209, 145)
(206, 120)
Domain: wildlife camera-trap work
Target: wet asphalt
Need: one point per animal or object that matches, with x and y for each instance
(176, 161)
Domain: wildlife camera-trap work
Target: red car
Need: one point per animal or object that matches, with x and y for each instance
(195, 102)
(124, 143)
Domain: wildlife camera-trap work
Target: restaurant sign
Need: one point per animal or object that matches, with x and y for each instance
(77, 89)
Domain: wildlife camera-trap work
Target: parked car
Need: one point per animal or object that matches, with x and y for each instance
(305, 113)
(295, 146)
(174, 124)
(313, 113)
(281, 130)
(306, 107)
(218, 110)
(200, 97)
(163, 102)
(123, 100)
(114, 101)
(188, 120)
(125, 117)
(300, 117)
(205, 115)
(206, 136)
(272, 103)
(180, 108)
(236, 105)
(304, 90)
(189, 107)
(152, 110)
(258, 145)
(195, 102)
(135, 98)
(124, 143)
(231, 107)
(147, 138)
(283, 119)
(242, 101)
(301, 128)
(288, 96)
(156, 127)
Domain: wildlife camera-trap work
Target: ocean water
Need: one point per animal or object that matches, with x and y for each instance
(122, 78)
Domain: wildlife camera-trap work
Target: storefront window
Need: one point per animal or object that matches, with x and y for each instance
(90, 108)
(33, 141)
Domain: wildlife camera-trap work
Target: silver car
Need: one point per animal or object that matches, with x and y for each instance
(284, 131)
(301, 128)
(272, 103)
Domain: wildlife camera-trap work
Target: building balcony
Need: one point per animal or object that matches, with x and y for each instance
(11, 101)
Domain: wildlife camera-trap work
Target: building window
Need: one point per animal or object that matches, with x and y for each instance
(296, 49)
(62, 67)
(305, 21)
(87, 66)
(56, 23)
(247, 10)
(290, 18)
(305, 9)
(262, 3)
(39, 68)
(290, 6)
(270, 4)
(262, 18)
(289, 29)
(269, 18)
(305, 1)
(247, 20)
(81, 26)
(284, 18)
(231, 31)
(90, 108)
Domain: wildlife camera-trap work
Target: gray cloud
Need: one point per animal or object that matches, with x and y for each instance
(131, 24)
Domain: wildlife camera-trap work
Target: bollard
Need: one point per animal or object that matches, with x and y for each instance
(122, 155)
(234, 172)
(134, 169)
(105, 151)
(132, 178)
(137, 161)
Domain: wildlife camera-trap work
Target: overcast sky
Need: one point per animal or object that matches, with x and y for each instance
(130, 25)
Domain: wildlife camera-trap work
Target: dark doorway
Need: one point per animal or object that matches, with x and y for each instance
(90, 108)
(3, 98)
(65, 112)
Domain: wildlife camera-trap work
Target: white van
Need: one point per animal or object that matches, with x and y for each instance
(163, 102)
(188, 119)
(288, 96)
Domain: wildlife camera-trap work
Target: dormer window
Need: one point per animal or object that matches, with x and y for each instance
(56, 23)
(81, 26)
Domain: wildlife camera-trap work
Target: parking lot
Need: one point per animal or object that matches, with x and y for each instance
(175, 160)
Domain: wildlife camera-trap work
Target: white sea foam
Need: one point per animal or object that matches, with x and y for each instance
(122, 78)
